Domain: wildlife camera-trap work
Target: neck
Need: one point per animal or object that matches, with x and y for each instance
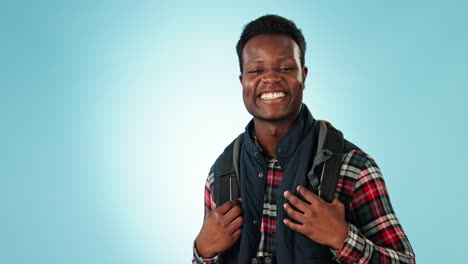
(269, 133)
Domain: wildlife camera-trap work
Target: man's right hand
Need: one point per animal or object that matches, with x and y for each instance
(220, 230)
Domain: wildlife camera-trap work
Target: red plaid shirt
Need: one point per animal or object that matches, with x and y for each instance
(374, 235)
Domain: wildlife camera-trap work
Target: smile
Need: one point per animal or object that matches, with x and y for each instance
(272, 95)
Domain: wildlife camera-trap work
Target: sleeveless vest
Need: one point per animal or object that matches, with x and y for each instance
(295, 153)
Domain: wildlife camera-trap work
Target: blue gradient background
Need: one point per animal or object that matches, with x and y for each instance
(112, 113)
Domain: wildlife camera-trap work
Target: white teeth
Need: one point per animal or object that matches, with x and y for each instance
(272, 95)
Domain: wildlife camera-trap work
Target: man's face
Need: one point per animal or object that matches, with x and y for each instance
(272, 78)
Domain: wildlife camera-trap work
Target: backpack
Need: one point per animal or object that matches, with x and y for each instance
(330, 148)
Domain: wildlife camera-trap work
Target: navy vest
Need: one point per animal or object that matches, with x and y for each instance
(295, 153)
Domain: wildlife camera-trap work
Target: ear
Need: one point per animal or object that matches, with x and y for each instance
(240, 78)
(305, 70)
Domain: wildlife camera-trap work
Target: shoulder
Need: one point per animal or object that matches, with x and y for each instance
(360, 177)
(357, 163)
(210, 178)
(224, 162)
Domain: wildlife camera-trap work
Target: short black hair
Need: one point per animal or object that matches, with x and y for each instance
(270, 24)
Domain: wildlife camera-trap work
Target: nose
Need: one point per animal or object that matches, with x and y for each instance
(270, 76)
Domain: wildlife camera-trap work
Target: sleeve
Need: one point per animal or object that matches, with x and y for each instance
(209, 205)
(375, 234)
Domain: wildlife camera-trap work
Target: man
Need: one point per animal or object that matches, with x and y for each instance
(278, 218)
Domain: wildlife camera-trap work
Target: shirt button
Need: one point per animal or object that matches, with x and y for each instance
(256, 154)
(255, 221)
(280, 151)
(260, 174)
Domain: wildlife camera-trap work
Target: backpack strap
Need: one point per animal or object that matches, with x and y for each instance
(330, 148)
(330, 143)
(227, 180)
(236, 155)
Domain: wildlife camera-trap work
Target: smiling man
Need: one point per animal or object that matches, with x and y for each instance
(264, 196)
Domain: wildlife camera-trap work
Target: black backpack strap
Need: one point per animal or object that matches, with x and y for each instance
(226, 178)
(330, 148)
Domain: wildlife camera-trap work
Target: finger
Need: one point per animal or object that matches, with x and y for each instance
(308, 195)
(296, 227)
(223, 209)
(337, 203)
(236, 224)
(236, 234)
(296, 201)
(232, 214)
(296, 215)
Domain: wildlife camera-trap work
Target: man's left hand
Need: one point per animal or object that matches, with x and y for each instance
(320, 221)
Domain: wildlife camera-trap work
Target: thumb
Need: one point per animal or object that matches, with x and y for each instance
(337, 203)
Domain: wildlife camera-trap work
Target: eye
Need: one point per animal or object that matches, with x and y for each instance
(255, 71)
(286, 69)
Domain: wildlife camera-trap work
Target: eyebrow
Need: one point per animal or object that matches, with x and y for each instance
(279, 59)
(285, 58)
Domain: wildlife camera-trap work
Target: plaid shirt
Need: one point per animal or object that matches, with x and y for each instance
(374, 234)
